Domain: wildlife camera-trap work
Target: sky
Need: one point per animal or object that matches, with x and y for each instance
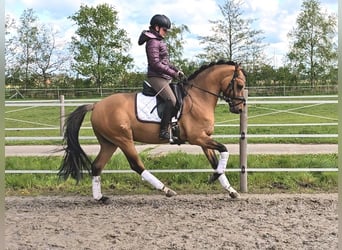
(276, 18)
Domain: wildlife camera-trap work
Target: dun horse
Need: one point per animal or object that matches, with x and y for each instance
(115, 125)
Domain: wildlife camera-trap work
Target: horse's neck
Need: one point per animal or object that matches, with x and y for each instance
(203, 96)
(211, 78)
(207, 88)
(209, 83)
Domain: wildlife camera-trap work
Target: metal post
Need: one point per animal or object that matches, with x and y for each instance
(62, 115)
(243, 146)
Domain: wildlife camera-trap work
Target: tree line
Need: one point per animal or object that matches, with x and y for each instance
(98, 53)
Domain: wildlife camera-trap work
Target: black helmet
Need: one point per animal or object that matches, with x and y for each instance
(161, 21)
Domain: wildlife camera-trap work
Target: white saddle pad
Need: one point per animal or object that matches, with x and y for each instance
(144, 106)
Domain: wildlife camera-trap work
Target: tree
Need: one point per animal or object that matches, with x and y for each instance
(27, 41)
(233, 38)
(175, 41)
(48, 59)
(10, 70)
(312, 47)
(285, 77)
(100, 47)
(31, 51)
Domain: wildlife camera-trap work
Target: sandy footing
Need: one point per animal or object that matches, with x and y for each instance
(277, 221)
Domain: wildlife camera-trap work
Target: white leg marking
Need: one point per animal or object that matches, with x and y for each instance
(224, 181)
(96, 187)
(226, 185)
(222, 164)
(147, 176)
(150, 178)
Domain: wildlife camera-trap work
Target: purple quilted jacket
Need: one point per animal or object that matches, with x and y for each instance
(157, 56)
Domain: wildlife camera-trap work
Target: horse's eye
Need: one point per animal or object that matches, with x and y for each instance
(240, 87)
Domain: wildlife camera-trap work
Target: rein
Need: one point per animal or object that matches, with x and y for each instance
(222, 97)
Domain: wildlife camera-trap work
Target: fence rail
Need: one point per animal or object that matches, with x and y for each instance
(274, 90)
(216, 125)
(251, 101)
(243, 138)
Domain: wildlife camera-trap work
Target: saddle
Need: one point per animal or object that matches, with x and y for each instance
(150, 107)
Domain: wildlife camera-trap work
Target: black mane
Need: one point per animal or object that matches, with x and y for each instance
(204, 67)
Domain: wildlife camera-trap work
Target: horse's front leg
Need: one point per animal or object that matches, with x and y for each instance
(219, 165)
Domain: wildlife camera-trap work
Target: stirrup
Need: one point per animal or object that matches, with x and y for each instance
(164, 134)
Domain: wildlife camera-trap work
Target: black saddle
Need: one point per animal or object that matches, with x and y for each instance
(180, 93)
(178, 90)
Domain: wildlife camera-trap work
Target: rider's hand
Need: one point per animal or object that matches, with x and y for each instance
(180, 74)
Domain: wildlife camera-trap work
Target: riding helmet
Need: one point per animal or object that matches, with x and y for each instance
(161, 21)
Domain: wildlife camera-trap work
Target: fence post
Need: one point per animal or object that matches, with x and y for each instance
(243, 146)
(62, 114)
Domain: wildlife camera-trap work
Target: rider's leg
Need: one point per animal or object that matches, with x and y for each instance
(165, 121)
(162, 87)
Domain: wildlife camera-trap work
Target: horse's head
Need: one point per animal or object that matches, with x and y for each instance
(231, 81)
(233, 93)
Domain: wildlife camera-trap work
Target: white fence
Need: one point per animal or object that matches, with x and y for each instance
(251, 101)
(243, 134)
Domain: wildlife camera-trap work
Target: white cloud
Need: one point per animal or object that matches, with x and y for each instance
(264, 7)
(136, 17)
(275, 17)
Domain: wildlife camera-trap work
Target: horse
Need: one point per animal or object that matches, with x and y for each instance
(115, 125)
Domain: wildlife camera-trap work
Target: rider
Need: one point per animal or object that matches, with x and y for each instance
(160, 72)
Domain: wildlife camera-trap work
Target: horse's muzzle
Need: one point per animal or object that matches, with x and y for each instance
(238, 106)
(235, 110)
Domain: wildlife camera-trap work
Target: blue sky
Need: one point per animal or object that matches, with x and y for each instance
(274, 17)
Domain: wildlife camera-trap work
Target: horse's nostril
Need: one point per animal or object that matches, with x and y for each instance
(234, 110)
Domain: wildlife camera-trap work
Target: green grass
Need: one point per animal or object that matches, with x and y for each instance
(34, 184)
(31, 184)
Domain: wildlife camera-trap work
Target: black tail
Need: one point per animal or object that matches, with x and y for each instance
(75, 159)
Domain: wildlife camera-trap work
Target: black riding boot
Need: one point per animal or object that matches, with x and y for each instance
(165, 121)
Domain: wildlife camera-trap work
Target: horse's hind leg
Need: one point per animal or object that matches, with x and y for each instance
(137, 165)
(106, 151)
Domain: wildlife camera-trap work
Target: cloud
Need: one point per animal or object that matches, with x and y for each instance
(275, 17)
(195, 14)
(50, 9)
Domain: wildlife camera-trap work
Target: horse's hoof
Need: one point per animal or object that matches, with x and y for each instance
(104, 200)
(169, 192)
(234, 195)
(213, 178)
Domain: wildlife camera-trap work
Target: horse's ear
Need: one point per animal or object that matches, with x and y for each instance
(240, 67)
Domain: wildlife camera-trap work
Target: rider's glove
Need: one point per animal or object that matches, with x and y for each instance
(180, 74)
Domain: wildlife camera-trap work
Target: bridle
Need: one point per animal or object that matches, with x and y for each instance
(230, 89)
